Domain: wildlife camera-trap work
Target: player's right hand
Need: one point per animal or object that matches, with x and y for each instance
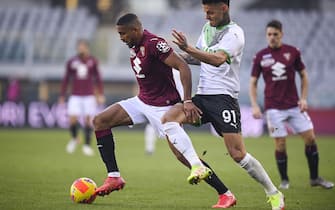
(256, 112)
(180, 40)
(302, 103)
(192, 112)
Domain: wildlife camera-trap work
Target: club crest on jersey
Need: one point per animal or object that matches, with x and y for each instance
(163, 47)
(132, 53)
(287, 56)
(142, 50)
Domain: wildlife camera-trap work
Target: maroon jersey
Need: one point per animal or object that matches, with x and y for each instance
(278, 67)
(84, 73)
(154, 77)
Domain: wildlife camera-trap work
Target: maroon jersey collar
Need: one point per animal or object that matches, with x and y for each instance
(276, 49)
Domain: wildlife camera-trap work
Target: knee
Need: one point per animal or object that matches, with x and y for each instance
(166, 118)
(73, 121)
(175, 114)
(310, 141)
(280, 144)
(98, 122)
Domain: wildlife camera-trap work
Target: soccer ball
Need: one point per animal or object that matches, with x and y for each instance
(83, 190)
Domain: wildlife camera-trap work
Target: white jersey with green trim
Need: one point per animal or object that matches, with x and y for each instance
(225, 78)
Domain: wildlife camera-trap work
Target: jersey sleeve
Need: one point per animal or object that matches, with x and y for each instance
(298, 63)
(256, 68)
(160, 49)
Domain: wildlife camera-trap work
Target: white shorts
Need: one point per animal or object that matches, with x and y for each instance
(277, 120)
(82, 105)
(140, 112)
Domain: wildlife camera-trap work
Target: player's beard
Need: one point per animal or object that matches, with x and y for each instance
(130, 44)
(225, 20)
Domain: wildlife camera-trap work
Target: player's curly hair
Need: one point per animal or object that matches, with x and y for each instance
(215, 1)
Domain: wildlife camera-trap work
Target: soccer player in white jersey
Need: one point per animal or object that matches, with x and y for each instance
(219, 52)
(278, 63)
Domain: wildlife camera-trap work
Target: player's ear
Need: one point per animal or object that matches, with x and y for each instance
(137, 29)
(224, 7)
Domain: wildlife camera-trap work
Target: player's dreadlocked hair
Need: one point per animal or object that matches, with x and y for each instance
(275, 24)
(127, 19)
(215, 1)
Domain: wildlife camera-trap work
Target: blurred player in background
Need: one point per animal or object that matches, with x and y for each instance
(278, 64)
(83, 72)
(152, 60)
(219, 52)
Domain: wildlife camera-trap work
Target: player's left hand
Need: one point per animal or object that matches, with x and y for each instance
(180, 40)
(302, 103)
(192, 112)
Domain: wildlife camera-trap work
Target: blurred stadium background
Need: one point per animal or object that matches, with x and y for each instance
(38, 36)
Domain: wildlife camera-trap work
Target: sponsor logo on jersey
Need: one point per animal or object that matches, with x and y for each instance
(267, 62)
(269, 55)
(137, 68)
(163, 47)
(278, 71)
(75, 63)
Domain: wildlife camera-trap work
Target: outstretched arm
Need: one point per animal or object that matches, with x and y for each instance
(215, 58)
(189, 59)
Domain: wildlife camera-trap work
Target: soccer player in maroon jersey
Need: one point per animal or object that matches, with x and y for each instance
(278, 63)
(152, 60)
(82, 70)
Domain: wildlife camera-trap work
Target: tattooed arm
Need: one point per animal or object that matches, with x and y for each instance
(189, 59)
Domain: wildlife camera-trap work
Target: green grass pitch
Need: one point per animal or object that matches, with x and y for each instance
(36, 173)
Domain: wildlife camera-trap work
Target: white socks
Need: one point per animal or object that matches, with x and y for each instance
(182, 142)
(256, 171)
(150, 137)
